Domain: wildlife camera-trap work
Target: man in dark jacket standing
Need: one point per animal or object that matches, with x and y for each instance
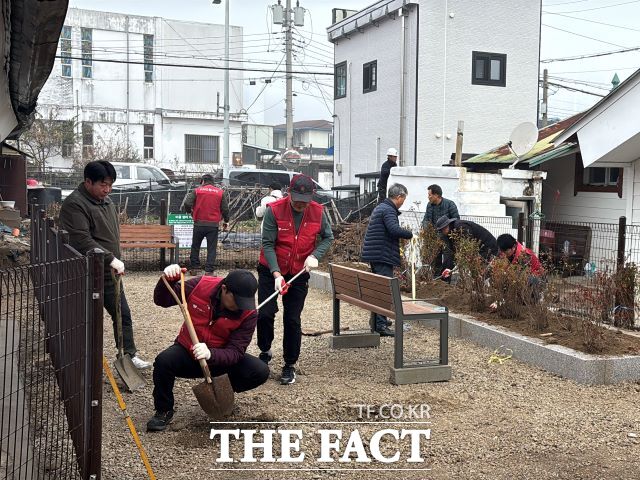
(454, 228)
(207, 204)
(290, 230)
(223, 312)
(438, 207)
(385, 171)
(381, 247)
(91, 219)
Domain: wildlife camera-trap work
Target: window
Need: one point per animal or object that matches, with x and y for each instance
(148, 142)
(87, 139)
(86, 35)
(148, 58)
(489, 69)
(340, 80)
(597, 179)
(123, 172)
(149, 174)
(65, 50)
(67, 136)
(201, 148)
(369, 76)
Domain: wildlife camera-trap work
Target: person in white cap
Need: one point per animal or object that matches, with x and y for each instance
(385, 170)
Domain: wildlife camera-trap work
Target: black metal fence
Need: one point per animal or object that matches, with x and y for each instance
(50, 362)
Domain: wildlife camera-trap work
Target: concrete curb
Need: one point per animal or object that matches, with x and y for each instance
(580, 367)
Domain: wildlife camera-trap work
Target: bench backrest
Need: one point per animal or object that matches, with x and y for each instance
(366, 287)
(146, 233)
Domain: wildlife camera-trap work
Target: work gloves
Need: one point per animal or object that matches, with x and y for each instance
(117, 265)
(201, 351)
(446, 273)
(280, 284)
(172, 272)
(310, 262)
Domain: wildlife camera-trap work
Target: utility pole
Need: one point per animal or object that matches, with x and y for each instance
(545, 97)
(225, 159)
(289, 96)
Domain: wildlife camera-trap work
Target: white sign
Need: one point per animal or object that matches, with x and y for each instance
(183, 229)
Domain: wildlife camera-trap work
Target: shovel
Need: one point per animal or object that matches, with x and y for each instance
(123, 364)
(215, 395)
(284, 289)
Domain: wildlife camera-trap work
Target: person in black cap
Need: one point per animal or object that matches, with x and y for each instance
(289, 231)
(453, 228)
(223, 312)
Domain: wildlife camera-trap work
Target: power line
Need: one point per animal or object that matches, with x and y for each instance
(205, 67)
(600, 8)
(265, 84)
(593, 21)
(573, 89)
(584, 36)
(565, 3)
(591, 55)
(597, 71)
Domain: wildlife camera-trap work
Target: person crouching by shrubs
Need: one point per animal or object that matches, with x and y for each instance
(381, 247)
(518, 254)
(223, 312)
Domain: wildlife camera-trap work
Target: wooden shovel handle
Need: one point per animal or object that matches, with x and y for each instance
(187, 320)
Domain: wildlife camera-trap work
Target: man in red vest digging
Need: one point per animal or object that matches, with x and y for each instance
(289, 231)
(223, 312)
(207, 205)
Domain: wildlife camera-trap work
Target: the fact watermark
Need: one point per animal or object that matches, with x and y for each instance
(383, 437)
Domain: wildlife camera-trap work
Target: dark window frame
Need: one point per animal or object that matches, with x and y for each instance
(336, 78)
(86, 43)
(371, 66)
(87, 139)
(195, 151)
(147, 138)
(488, 57)
(580, 186)
(148, 58)
(65, 51)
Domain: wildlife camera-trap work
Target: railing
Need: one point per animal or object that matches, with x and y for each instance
(51, 361)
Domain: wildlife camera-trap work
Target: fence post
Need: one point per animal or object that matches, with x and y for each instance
(163, 221)
(94, 346)
(622, 230)
(521, 227)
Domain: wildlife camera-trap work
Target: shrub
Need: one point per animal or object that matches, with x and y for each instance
(472, 270)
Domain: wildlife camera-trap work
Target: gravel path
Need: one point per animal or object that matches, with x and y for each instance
(490, 421)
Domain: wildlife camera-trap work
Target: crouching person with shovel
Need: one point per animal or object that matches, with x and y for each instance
(220, 318)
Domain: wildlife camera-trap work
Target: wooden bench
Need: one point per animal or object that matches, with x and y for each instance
(378, 294)
(150, 236)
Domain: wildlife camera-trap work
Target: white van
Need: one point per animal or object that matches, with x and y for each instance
(140, 176)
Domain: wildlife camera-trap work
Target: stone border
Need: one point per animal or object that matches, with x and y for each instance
(580, 367)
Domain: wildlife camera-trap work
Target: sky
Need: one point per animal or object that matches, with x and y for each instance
(570, 28)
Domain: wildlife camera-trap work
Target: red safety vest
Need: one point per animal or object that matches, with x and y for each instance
(207, 204)
(292, 249)
(212, 331)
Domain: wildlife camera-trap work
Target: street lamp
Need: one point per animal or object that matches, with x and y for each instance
(225, 154)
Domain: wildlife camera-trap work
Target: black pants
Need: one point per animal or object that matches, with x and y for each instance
(199, 233)
(384, 269)
(129, 345)
(176, 361)
(292, 302)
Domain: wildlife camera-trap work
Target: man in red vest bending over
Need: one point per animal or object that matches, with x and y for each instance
(223, 312)
(207, 204)
(289, 233)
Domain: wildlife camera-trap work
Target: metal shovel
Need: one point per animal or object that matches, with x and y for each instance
(124, 365)
(215, 395)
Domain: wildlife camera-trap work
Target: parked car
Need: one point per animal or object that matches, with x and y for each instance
(246, 177)
(140, 176)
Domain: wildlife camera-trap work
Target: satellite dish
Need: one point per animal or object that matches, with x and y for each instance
(522, 140)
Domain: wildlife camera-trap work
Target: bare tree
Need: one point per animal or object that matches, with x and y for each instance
(116, 147)
(49, 137)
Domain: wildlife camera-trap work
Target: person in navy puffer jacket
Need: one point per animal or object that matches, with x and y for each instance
(381, 246)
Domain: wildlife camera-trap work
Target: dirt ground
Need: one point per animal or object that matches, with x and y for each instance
(498, 421)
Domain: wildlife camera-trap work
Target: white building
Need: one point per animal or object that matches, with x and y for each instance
(173, 115)
(466, 60)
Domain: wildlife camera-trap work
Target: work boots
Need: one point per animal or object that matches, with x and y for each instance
(160, 421)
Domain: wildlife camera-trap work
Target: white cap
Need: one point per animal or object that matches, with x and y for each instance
(392, 152)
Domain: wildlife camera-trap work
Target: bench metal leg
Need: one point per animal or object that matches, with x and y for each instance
(444, 340)
(398, 344)
(336, 316)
